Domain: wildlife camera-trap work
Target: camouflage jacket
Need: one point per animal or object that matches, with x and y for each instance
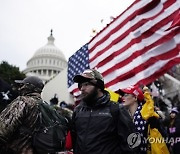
(21, 113)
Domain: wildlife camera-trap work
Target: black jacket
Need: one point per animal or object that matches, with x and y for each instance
(101, 129)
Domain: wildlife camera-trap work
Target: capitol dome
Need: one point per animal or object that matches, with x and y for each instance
(47, 62)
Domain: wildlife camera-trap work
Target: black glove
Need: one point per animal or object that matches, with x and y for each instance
(154, 122)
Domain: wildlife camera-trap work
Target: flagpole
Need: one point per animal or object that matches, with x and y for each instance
(172, 78)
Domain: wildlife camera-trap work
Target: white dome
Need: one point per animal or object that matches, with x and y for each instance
(47, 61)
(49, 50)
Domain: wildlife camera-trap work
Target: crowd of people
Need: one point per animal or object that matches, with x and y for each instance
(97, 125)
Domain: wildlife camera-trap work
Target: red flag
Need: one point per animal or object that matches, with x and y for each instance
(135, 47)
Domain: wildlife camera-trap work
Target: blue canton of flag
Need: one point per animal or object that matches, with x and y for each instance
(77, 63)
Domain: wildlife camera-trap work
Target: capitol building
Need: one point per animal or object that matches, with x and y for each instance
(47, 61)
(49, 64)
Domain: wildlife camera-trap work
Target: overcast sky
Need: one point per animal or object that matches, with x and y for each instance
(26, 24)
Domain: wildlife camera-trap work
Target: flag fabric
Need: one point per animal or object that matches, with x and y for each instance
(77, 63)
(136, 47)
(176, 21)
(113, 96)
(147, 112)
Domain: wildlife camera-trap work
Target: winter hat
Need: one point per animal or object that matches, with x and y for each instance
(174, 110)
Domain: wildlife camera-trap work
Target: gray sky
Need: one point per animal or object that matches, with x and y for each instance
(26, 24)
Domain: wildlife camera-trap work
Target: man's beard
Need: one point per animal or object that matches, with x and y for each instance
(90, 98)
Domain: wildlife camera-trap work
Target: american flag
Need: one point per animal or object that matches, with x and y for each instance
(137, 47)
(77, 63)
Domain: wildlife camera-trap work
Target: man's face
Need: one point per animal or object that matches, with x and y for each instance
(88, 91)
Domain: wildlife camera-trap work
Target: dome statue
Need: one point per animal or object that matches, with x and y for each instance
(47, 61)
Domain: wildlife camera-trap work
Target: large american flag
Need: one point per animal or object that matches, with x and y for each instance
(137, 47)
